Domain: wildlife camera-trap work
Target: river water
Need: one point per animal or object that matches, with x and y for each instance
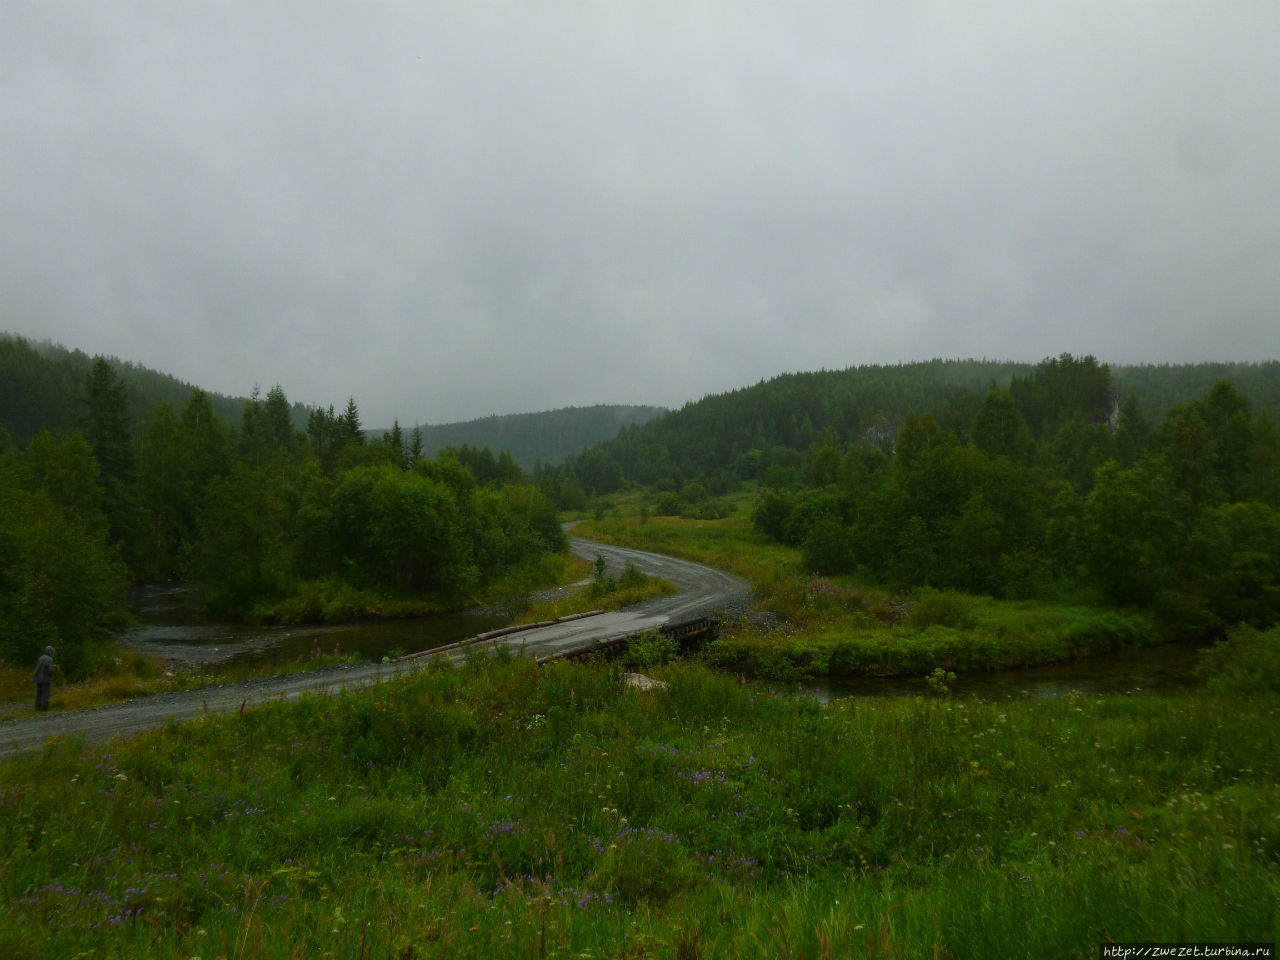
(1165, 669)
(168, 629)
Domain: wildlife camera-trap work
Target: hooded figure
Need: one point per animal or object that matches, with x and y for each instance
(43, 677)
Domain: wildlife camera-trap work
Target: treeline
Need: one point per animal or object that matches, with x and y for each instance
(267, 520)
(1052, 489)
(722, 440)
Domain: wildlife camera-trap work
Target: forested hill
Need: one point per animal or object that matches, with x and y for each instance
(1158, 387)
(42, 387)
(725, 437)
(548, 437)
(722, 439)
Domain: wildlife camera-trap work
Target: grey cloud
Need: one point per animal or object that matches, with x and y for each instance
(453, 210)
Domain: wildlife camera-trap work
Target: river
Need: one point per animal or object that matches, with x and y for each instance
(1165, 669)
(167, 628)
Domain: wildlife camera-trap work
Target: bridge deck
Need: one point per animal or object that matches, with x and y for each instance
(573, 636)
(567, 637)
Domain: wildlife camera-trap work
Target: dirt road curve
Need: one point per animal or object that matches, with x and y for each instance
(703, 591)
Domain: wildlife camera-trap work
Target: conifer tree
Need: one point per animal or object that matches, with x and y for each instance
(394, 440)
(277, 423)
(349, 429)
(106, 427)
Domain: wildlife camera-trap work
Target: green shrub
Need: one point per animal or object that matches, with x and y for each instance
(828, 547)
(666, 505)
(1247, 661)
(651, 649)
(631, 578)
(942, 608)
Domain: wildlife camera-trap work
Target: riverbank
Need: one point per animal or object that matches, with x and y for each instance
(524, 811)
(839, 628)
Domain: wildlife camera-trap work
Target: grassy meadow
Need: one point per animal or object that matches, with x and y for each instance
(508, 810)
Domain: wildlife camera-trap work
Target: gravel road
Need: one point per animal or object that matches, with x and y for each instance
(703, 592)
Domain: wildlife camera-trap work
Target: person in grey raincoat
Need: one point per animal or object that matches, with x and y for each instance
(43, 677)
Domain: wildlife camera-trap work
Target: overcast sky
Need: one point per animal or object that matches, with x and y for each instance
(449, 210)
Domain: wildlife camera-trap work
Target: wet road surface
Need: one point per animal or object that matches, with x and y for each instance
(703, 592)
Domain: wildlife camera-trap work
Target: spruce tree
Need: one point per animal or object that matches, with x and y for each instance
(349, 429)
(106, 427)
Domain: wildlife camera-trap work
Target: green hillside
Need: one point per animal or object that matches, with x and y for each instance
(549, 436)
(42, 386)
(725, 438)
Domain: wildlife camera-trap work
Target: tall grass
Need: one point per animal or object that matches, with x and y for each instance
(508, 810)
